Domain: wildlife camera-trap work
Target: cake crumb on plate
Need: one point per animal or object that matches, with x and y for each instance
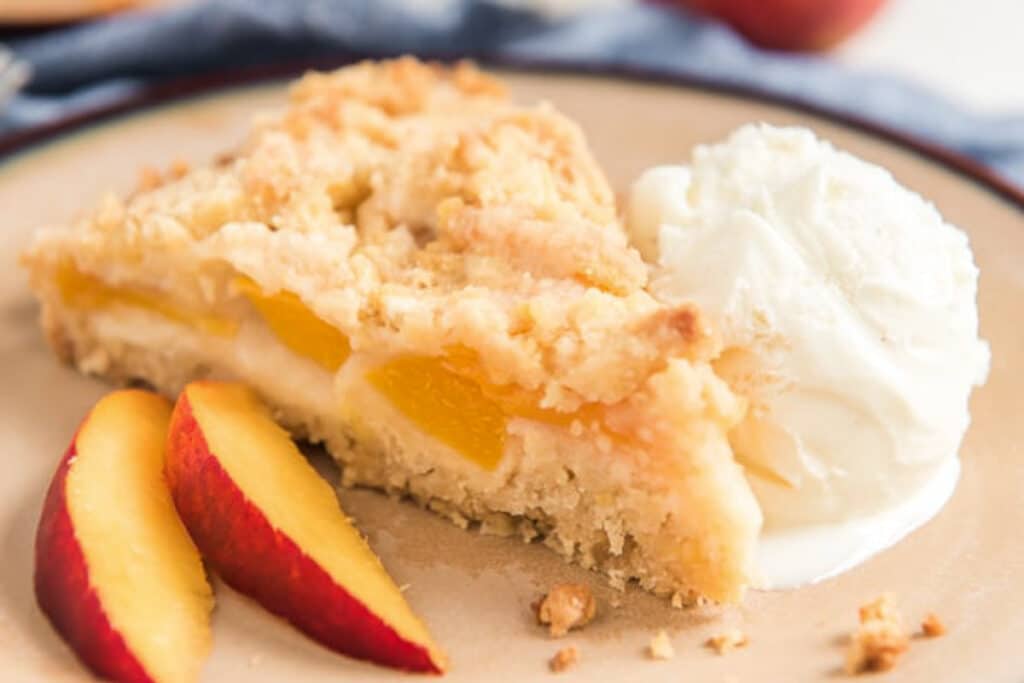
(727, 641)
(660, 646)
(880, 640)
(564, 659)
(881, 609)
(932, 626)
(565, 607)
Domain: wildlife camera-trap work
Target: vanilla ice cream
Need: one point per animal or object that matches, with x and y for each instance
(848, 311)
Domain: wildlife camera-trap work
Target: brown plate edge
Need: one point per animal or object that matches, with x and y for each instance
(179, 89)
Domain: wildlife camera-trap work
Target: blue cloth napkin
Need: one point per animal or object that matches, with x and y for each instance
(90, 65)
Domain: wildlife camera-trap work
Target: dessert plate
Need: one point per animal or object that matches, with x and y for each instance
(475, 591)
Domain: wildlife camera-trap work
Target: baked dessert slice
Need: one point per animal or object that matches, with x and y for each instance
(431, 281)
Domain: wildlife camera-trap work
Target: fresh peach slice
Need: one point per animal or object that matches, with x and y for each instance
(116, 572)
(273, 529)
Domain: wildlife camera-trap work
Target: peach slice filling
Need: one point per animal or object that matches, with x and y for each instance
(450, 407)
(297, 327)
(87, 292)
(447, 397)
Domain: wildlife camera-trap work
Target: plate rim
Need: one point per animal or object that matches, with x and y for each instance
(182, 89)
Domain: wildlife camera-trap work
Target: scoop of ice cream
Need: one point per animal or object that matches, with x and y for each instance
(848, 310)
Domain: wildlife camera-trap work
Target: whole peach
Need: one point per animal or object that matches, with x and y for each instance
(801, 25)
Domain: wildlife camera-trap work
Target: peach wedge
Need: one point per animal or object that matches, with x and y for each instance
(273, 529)
(115, 571)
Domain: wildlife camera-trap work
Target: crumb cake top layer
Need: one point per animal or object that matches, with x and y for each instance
(416, 209)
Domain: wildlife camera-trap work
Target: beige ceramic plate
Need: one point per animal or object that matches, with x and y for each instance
(475, 591)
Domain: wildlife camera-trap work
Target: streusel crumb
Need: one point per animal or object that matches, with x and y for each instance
(880, 640)
(660, 646)
(564, 659)
(932, 626)
(149, 178)
(565, 607)
(727, 641)
(881, 608)
(178, 169)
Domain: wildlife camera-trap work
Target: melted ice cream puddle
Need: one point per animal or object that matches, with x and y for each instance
(787, 558)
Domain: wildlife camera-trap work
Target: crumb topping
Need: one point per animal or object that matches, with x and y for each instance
(932, 626)
(727, 641)
(880, 639)
(564, 659)
(660, 647)
(565, 607)
(416, 209)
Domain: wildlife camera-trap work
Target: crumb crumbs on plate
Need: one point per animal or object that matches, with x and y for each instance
(565, 607)
(178, 169)
(879, 609)
(149, 178)
(660, 647)
(564, 659)
(932, 626)
(880, 639)
(727, 641)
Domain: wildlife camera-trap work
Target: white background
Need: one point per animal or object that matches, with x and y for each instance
(972, 51)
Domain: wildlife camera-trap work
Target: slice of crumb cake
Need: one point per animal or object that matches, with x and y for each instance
(432, 281)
